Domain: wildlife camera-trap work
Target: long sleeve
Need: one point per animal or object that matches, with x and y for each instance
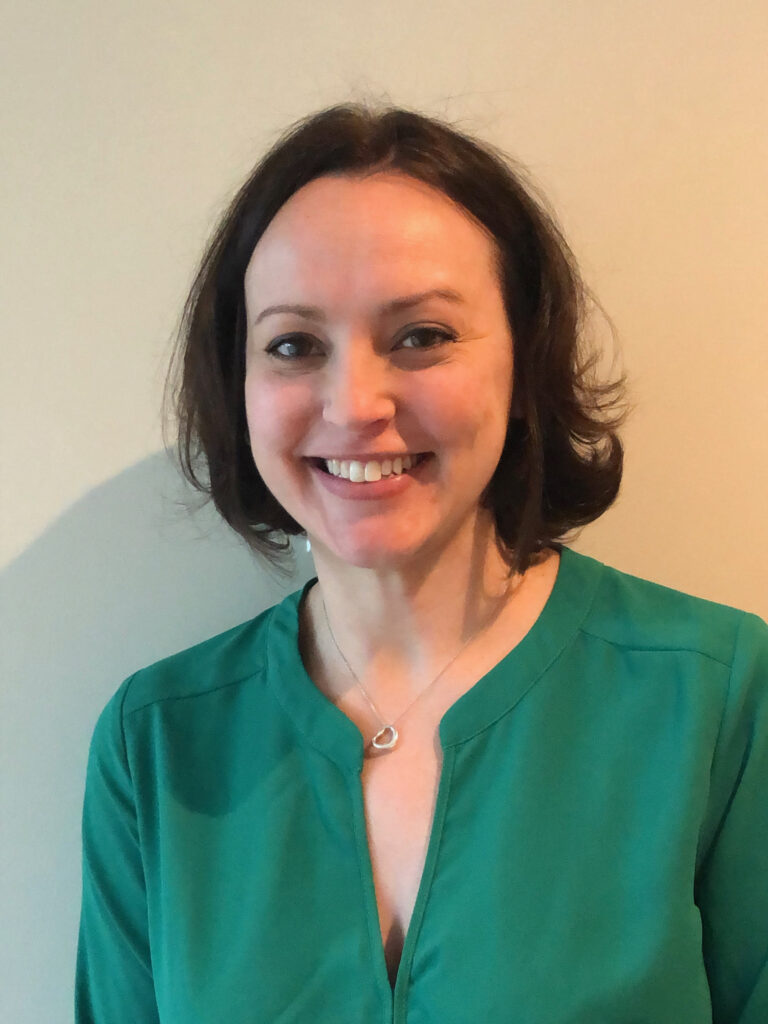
(732, 887)
(114, 983)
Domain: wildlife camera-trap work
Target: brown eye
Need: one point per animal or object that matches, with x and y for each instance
(426, 338)
(291, 346)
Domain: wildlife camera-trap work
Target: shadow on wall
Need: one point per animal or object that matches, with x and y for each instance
(124, 577)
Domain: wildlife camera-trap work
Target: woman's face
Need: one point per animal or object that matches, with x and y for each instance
(396, 343)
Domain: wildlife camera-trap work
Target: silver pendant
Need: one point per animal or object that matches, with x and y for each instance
(385, 738)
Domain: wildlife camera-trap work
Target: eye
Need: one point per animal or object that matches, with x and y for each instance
(291, 347)
(426, 338)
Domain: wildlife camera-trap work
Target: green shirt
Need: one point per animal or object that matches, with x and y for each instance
(598, 853)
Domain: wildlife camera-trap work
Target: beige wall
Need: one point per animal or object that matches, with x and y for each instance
(126, 127)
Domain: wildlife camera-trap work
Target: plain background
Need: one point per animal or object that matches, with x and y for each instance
(126, 129)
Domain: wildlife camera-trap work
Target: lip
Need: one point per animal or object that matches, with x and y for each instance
(375, 490)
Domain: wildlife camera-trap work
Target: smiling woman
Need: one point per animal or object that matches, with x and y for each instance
(458, 214)
(463, 774)
(352, 390)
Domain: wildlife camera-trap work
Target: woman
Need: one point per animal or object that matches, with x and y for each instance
(465, 773)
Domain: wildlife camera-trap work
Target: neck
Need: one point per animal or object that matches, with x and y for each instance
(399, 627)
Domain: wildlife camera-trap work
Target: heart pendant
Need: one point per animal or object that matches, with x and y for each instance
(385, 738)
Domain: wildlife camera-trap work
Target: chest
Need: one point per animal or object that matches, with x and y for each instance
(399, 796)
(562, 882)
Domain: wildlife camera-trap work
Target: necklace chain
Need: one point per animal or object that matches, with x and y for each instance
(386, 738)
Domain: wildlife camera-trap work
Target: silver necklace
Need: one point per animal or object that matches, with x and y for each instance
(387, 736)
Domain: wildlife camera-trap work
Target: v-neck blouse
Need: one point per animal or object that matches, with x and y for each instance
(598, 850)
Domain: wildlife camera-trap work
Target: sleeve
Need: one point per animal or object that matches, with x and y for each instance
(733, 879)
(113, 981)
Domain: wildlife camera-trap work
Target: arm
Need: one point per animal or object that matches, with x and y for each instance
(732, 885)
(114, 983)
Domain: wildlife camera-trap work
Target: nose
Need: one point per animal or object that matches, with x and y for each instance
(358, 388)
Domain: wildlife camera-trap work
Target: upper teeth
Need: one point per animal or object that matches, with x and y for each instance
(359, 472)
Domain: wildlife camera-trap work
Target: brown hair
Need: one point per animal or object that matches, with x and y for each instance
(562, 460)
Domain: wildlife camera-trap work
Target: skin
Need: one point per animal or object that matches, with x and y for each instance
(406, 578)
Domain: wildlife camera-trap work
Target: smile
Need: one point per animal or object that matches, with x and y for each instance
(372, 470)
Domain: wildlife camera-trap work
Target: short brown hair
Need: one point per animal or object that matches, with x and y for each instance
(562, 460)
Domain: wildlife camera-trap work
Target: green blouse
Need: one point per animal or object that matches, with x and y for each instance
(598, 853)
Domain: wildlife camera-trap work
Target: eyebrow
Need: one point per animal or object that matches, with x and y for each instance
(393, 306)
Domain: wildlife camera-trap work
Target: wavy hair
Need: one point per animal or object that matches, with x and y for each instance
(561, 464)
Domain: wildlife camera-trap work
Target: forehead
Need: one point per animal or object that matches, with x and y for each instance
(341, 237)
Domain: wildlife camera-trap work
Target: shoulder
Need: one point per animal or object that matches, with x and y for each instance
(634, 613)
(222, 661)
(203, 690)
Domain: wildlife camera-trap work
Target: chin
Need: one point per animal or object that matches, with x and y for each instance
(371, 553)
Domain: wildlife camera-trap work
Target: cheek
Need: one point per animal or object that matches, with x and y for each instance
(467, 407)
(277, 413)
